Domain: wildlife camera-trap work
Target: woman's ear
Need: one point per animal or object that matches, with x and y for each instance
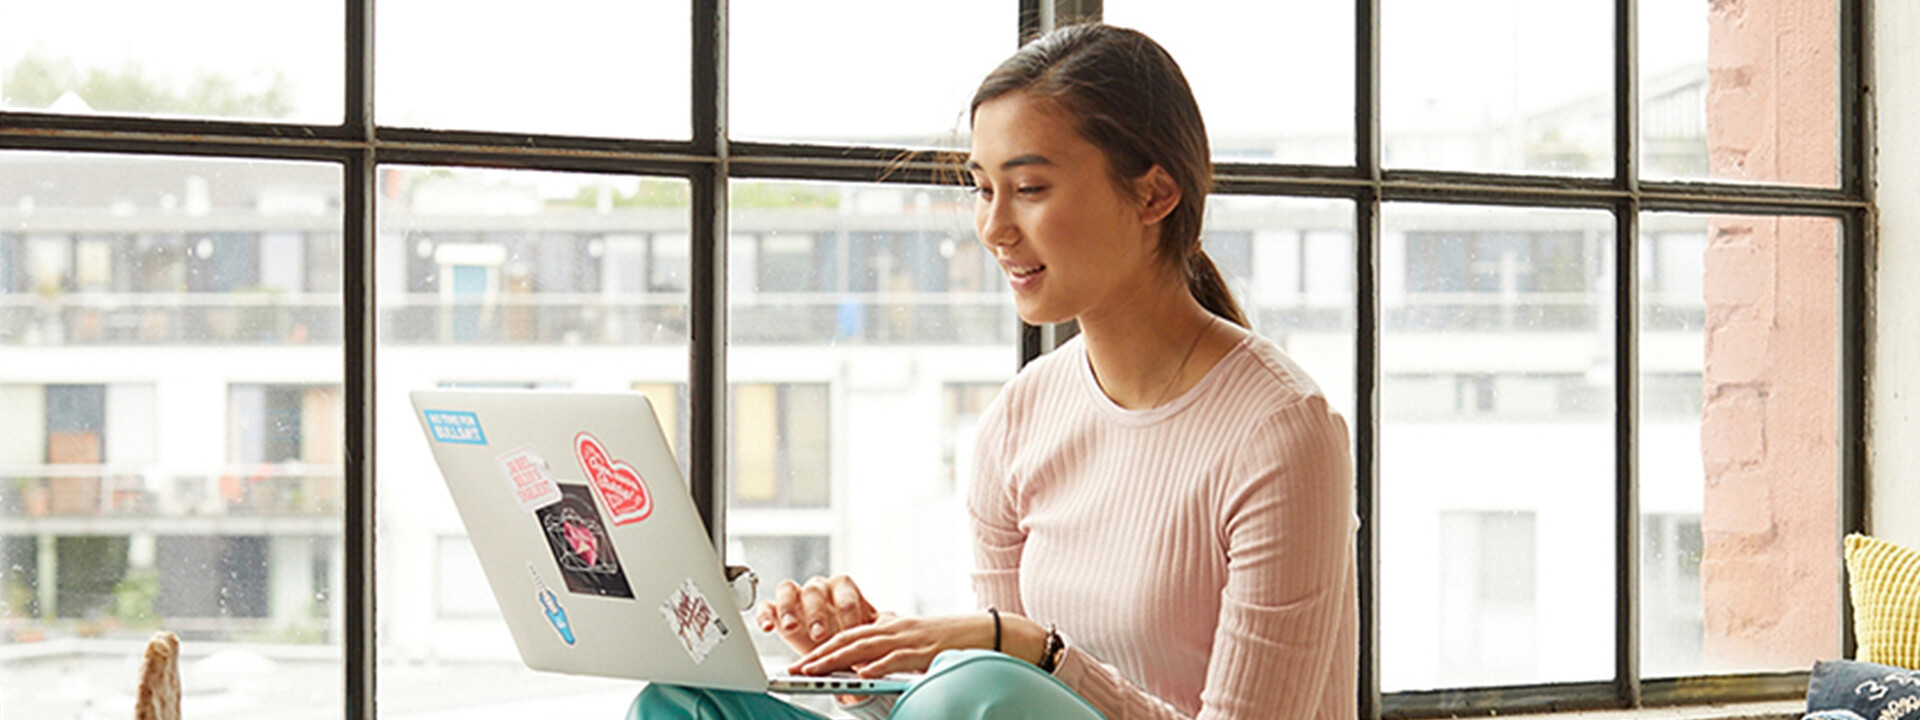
(1158, 193)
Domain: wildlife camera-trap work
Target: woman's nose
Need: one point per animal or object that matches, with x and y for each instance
(993, 226)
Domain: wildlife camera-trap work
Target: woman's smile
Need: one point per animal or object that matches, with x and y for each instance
(1022, 277)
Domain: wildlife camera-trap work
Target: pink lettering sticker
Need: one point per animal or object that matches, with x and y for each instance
(617, 483)
(530, 478)
(693, 621)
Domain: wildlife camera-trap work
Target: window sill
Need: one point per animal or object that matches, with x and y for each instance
(1769, 710)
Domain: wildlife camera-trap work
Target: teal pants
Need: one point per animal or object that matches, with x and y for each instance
(961, 685)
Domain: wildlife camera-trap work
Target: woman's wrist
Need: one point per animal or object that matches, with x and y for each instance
(1022, 638)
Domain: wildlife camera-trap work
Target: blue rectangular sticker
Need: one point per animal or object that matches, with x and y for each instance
(455, 426)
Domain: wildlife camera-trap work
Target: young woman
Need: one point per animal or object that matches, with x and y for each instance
(1162, 507)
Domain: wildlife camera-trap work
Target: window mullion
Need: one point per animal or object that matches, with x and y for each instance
(1626, 90)
(1366, 466)
(1626, 382)
(707, 353)
(1858, 240)
(1366, 355)
(358, 339)
(1626, 353)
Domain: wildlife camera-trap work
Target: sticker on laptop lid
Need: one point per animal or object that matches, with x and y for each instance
(533, 483)
(455, 426)
(693, 621)
(550, 605)
(617, 483)
(578, 538)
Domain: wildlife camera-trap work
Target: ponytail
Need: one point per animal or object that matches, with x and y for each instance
(1210, 288)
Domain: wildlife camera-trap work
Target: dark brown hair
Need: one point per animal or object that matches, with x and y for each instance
(1134, 104)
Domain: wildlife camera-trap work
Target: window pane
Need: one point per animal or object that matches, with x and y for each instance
(1740, 91)
(1289, 262)
(1246, 73)
(856, 310)
(1497, 86)
(232, 59)
(1496, 446)
(861, 265)
(1739, 410)
(170, 445)
(861, 71)
(589, 67)
(505, 279)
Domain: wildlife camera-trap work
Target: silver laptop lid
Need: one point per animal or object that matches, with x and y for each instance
(587, 535)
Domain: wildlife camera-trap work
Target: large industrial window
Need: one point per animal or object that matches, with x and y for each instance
(1587, 278)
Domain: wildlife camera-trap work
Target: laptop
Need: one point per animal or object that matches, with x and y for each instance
(591, 543)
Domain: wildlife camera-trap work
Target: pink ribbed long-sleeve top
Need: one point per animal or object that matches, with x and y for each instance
(1198, 556)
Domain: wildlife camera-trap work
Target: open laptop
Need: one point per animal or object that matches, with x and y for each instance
(591, 543)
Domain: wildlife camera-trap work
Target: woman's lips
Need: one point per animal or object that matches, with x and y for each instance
(1022, 277)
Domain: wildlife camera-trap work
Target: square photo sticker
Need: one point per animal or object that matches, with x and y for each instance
(578, 537)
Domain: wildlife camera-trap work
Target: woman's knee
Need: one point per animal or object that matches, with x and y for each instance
(673, 702)
(670, 702)
(979, 685)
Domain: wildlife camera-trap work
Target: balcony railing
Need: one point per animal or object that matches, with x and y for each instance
(255, 490)
(798, 318)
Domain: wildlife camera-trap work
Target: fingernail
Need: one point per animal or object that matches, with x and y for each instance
(818, 631)
(790, 622)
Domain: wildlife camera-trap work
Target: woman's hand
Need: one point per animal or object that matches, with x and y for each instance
(807, 615)
(895, 644)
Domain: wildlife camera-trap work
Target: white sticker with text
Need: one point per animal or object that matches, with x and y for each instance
(692, 619)
(532, 481)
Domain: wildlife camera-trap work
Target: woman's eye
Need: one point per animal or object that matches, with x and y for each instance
(981, 191)
(1032, 189)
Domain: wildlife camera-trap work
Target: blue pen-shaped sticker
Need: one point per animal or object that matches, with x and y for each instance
(550, 604)
(455, 426)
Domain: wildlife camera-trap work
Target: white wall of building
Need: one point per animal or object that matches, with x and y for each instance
(1895, 396)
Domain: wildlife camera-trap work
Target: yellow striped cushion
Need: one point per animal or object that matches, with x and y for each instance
(1883, 580)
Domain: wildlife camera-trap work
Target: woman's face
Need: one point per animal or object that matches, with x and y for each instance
(1071, 242)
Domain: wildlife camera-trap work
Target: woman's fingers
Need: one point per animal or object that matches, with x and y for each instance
(844, 651)
(766, 616)
(900, 660)
(873, 650)
(785, 615)
(784, 609)
(805, 616)
(850, 607)
(817, 611)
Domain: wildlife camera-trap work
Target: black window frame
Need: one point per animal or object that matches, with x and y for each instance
(710, 159)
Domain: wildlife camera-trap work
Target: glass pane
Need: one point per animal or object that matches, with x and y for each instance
(1740, 91)
(862, 71)
(1739, 410)
(505, 279)
(232, 59)
(590, 67)
(1496, 446)
(1289, 262)
(869, 330)
(1497, 86)
(1245, 73)
(170, 445)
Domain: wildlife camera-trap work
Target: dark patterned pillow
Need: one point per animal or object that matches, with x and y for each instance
(1851, 690)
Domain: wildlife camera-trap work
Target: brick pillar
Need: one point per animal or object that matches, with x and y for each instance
(1770, 574)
